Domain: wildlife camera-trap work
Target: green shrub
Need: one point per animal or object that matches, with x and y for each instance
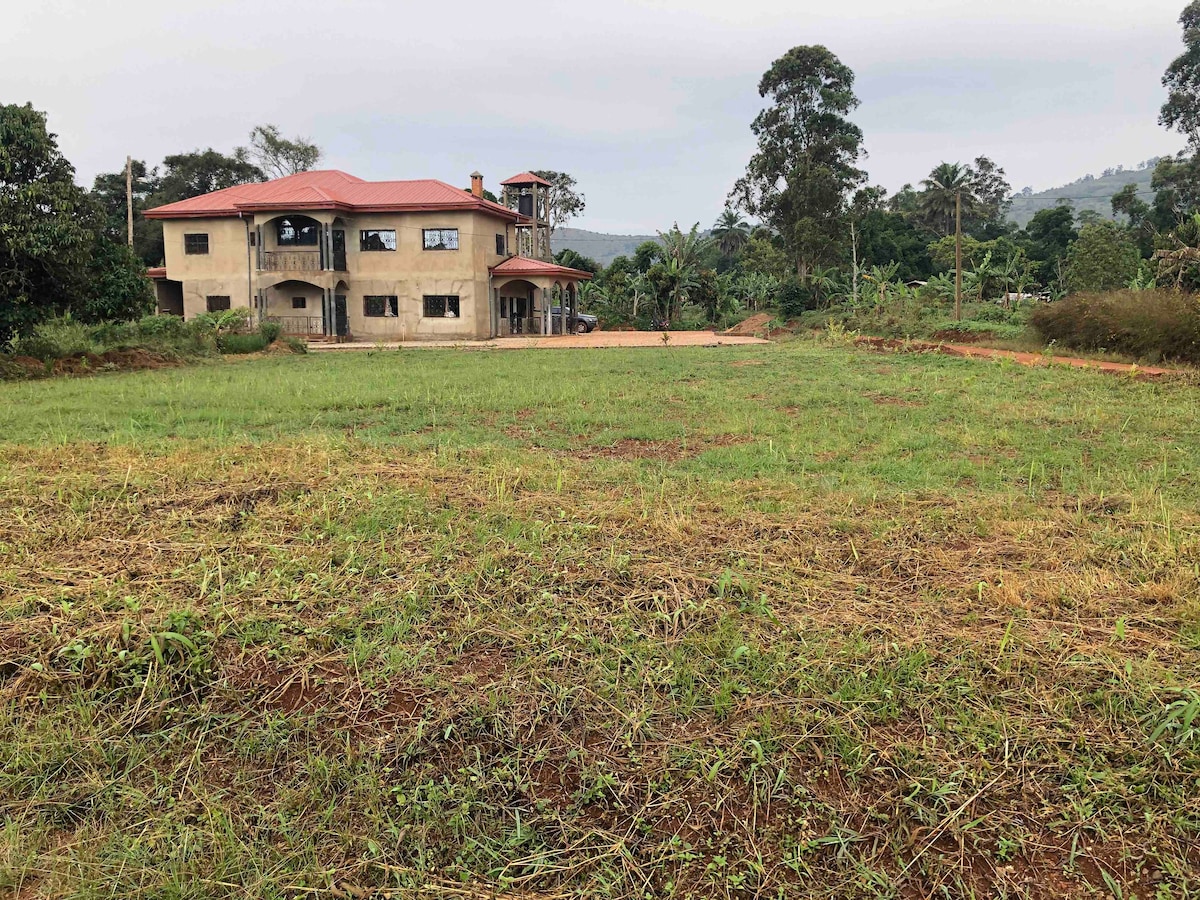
(270, 331)
(296, 345)
(241, 343)
(57, 338)
(1150, 325)
(795, 298)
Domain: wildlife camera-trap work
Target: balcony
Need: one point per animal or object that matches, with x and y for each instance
(291, 261)
(298, 326)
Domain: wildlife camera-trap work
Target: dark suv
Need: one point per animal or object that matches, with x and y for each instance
(580, 323)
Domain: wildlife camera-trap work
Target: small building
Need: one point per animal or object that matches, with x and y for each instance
(326, 254)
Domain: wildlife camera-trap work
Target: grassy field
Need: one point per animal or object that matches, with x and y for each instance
(789, 621)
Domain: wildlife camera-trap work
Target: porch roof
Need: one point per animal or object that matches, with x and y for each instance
(518, 266)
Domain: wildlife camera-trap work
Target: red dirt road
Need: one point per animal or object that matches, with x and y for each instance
(969, 351)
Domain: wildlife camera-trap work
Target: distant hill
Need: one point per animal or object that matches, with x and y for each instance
(603, 248)
(1090, 192)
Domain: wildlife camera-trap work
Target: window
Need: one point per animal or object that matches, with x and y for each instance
(217, 304)
(195, 244)
(299, 303)
(441, 307)
(501, 245)
(298, 232)
(441, 238)
(377, 240)
(253, 239)
(376, 306)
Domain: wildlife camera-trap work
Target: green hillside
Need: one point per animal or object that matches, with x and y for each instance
(603, 248)
(1090, 193)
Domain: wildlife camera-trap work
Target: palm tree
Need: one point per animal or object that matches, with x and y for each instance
(945, 189)
(730, 232)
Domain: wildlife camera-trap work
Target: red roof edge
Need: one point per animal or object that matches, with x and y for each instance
(526, 178)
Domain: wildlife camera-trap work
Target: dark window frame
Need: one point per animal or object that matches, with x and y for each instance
(439, 304)
(223, 303)
(441, 245)
(299, 303)
(382, 246)
(502, 245)
(375, 306)
(195, 244)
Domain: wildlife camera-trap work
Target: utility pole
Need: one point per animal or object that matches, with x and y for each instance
(129, 196)
(958, 256)
(854, 252)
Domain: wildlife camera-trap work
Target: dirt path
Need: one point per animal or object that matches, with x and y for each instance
(968, 351)
(560, 342)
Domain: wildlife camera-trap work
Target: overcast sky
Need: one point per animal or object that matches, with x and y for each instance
(647, 102)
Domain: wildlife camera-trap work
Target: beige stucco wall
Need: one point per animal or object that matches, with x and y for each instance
(410, 272)
(221, 272)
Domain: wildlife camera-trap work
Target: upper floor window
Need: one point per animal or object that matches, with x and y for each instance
(377, 239)
(195, 244)
(297, 232)
(501, 245)
(441, 238)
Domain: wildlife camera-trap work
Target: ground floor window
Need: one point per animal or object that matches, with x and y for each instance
(299, 303)
(216, 304)
(441, 307)
(375, 306)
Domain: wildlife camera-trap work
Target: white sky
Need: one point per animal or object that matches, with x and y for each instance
(647, 102)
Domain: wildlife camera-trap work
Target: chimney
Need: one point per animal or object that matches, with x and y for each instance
(477, 185)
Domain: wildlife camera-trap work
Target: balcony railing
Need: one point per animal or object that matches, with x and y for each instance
(291, 261)
(299, 325)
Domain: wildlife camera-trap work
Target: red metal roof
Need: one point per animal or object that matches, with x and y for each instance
(523, 265)
(526, 178)
(330, 189)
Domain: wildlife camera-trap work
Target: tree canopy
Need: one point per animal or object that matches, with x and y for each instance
(278, 156)
(54, 254)
(566, 202)
(1181, 112)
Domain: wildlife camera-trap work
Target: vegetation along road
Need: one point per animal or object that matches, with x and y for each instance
(768, 621)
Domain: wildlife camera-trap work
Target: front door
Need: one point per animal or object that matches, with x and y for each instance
(340, 319)
(339, 250)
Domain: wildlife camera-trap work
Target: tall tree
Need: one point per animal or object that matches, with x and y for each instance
(45, 233)
(278, 156)
(799, 179)
(1181, 112)
(54, 257)
(566, 203)
(992, 195)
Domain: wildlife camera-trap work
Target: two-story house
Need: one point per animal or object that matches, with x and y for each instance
(328, 254)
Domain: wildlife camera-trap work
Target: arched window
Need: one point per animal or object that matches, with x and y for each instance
(300, 231)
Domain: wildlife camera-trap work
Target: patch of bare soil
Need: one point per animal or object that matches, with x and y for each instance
(964, 337)
(886, 400)
(755, 326)
(668, 451)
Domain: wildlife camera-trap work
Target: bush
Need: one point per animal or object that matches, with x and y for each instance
(296, 345)
(241, 343)
(795, 298)
(56, 338)
(1150, 325)
(270, 331)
